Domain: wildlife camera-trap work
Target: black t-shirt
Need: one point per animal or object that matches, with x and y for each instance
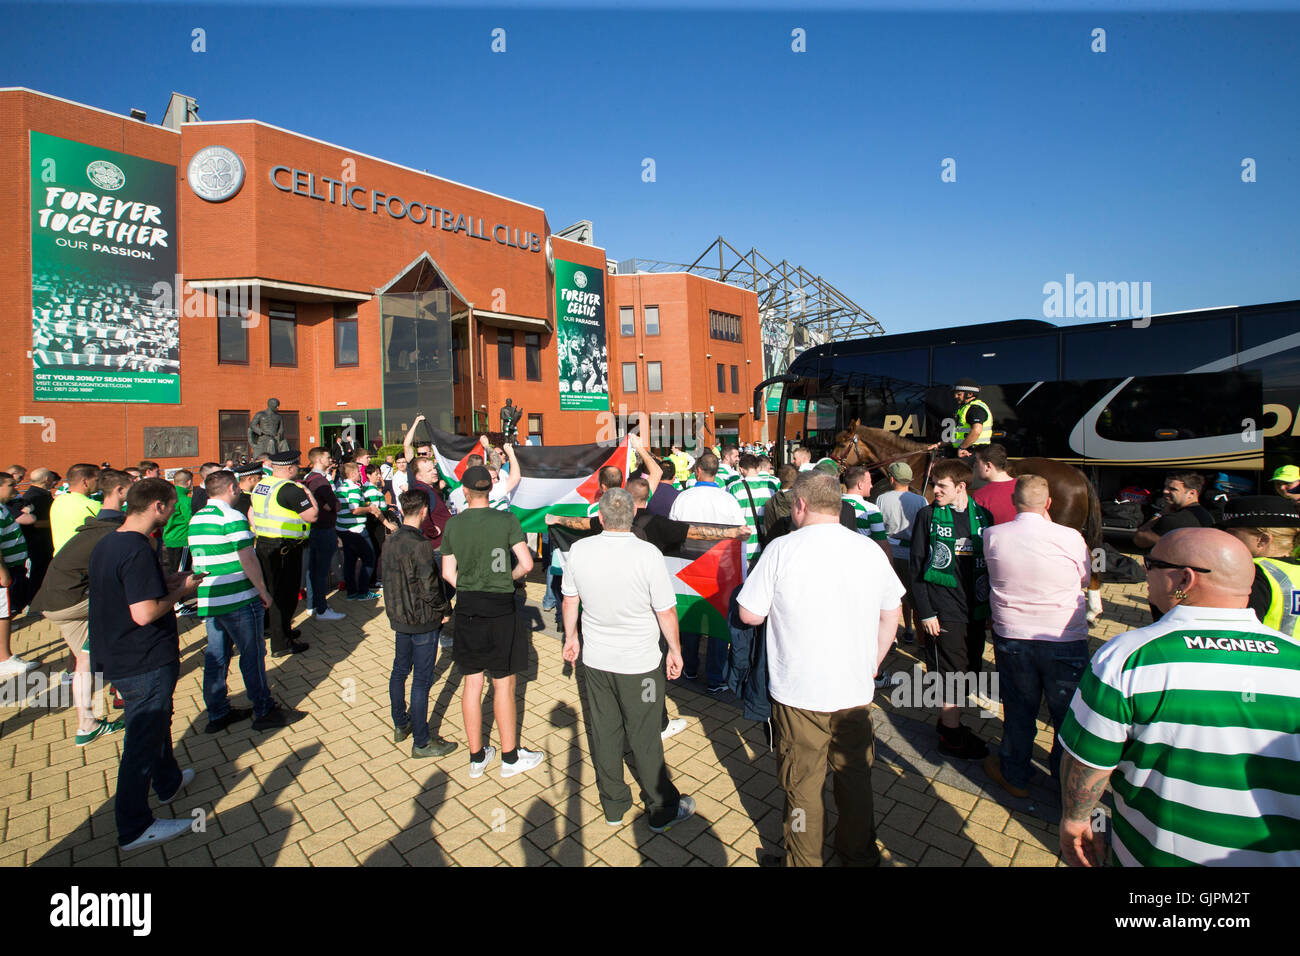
(976, 414)
(124, 570)
(40, 500)
(293, 497)
(1193, 516)
(242, 503)
(198, 498)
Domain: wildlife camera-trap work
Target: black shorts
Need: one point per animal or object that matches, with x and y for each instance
(484, 639)
(959, 648)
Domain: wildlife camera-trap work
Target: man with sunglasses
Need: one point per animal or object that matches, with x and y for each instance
(1194, 721)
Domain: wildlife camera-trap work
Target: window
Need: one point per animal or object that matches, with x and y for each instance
(735, 380)
(723, 326)
(505, 355)
(232, 333)
(629, 376)
(345, 336)
(722, 377)
(626, 322)
(1166, 347)
(535, 428)
(879, 369)
(1030, 359)
(291, 428)
(284, 333)
(232, 435)
(652, 320)
(533, 356)
(457, 354)
(654, 377)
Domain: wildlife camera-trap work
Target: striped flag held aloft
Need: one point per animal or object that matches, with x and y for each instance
(562, 479)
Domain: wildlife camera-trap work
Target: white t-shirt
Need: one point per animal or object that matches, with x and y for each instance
(822, 588)
(622, 582)
(708, 504)
(401, 482)
(498, 498)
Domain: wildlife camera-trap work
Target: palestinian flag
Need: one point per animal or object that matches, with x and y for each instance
(560, 479)
(705, 575)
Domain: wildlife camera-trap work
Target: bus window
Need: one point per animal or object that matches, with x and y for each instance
(910, 366)
(1169, 347)
(1273, 333)
(1030, 359)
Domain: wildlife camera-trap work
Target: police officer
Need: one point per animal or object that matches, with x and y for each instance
(973, 417)
(1268, 526)
(281, 514)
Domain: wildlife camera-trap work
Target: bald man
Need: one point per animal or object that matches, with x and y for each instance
(1193, 720)
(38, 497)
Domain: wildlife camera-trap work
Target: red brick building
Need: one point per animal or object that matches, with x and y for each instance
(345, 286)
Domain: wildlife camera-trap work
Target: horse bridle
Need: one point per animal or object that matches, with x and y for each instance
(843, 460)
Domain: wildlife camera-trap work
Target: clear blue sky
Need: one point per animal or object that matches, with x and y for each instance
(1115, 167)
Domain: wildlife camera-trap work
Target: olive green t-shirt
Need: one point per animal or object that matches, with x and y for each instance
(480, 540)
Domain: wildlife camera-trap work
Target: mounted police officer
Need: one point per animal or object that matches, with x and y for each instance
(1268, 525)
(974, 420)
(281, 514)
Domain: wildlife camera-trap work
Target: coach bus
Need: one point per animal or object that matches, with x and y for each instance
(1215, 390)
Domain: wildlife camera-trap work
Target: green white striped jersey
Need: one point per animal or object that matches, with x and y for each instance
(12, 543)
(1198, 715)
(350, 496)
(725, 475)
(374, 495)
(869, 518)
(762, 487)
(217, 534)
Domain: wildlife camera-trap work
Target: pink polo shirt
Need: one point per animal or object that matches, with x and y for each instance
(1037, 572)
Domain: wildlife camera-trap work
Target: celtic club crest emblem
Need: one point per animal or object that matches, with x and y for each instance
(105, 175)
(580, 280)
(942, 555)
(216, 173)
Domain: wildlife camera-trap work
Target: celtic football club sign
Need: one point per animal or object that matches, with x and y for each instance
(103, 234)
(215, 173)
(580, 336)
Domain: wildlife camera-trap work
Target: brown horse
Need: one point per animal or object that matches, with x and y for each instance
(1074, 501)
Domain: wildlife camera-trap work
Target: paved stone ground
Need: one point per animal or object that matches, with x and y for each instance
(334, 790)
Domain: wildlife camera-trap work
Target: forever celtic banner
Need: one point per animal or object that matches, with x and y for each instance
(103, 234)
(580, 335)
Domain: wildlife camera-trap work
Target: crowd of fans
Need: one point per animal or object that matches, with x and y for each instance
(837, 571)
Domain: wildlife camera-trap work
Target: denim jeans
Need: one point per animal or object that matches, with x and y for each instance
(147, 757)
(321, 546)
(1027, 672)
(357, 549)
(418, 652)
(552, 598)
(715, 658)
(241, 629)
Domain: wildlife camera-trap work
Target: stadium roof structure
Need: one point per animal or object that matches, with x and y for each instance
(797, 309)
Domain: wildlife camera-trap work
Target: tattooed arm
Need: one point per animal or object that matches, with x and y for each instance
(1081, 789)
(711, 533)
(576, 522)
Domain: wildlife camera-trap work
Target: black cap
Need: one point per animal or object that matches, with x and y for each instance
(248, 469)
(284, 457)
(477, 478)
(1260, 511)
(966, 385)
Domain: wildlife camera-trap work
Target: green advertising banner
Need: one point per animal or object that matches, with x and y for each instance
(103, 235)
(580, 334)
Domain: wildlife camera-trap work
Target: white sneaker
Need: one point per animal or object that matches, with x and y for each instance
(187, 778)
(329, 614)
(16, 665)
(160, 831)
(675, 726)
(476, 769)
(528, 759)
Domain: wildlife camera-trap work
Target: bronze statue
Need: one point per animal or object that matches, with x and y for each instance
(510, 416)
(266, 431)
